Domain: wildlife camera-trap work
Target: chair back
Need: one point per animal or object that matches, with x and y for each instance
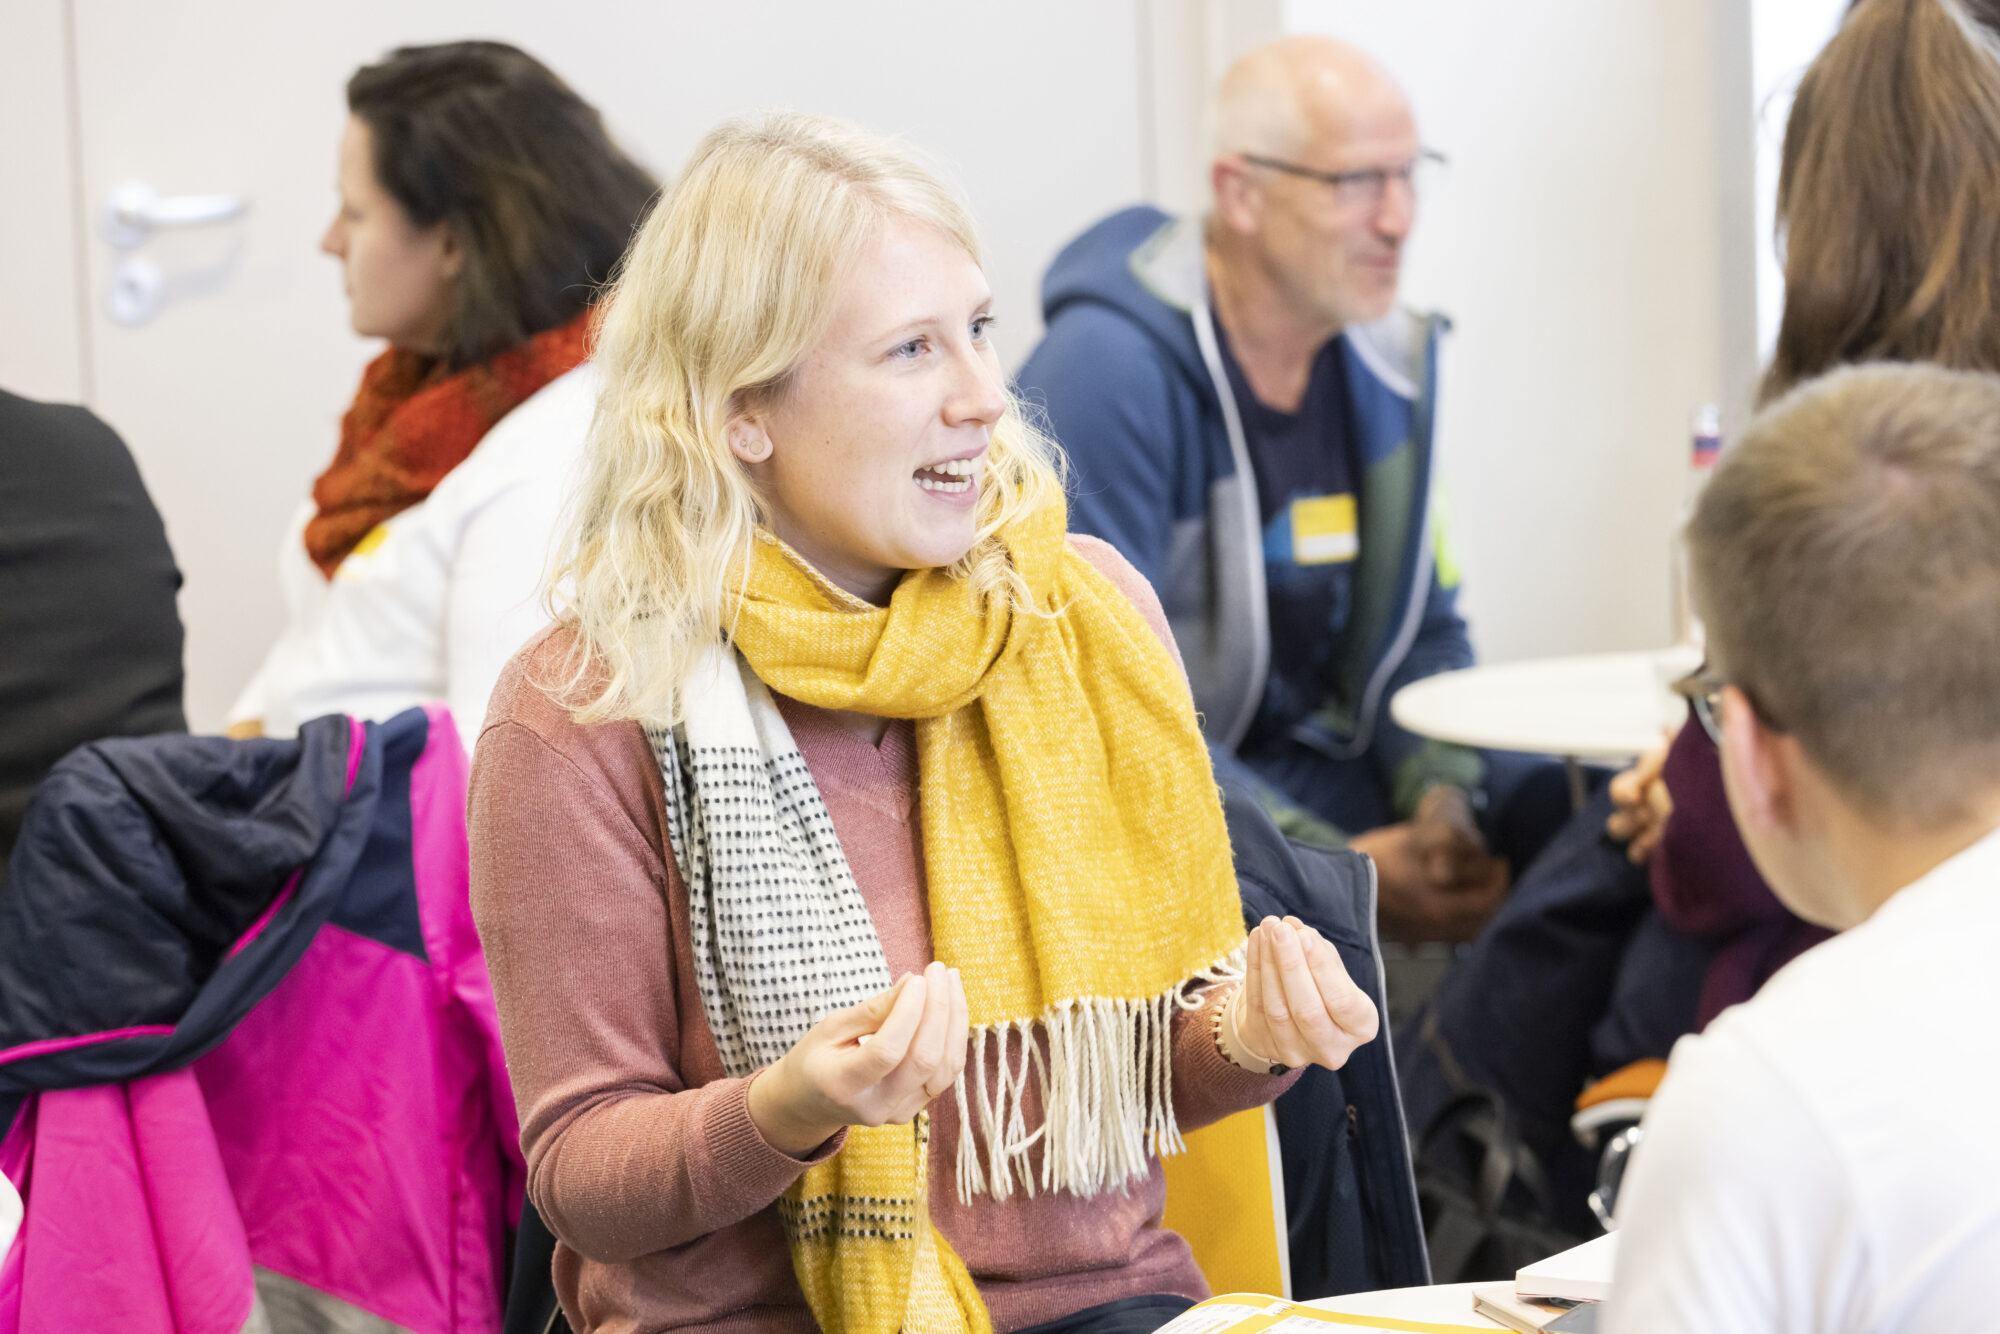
(1226, 1196)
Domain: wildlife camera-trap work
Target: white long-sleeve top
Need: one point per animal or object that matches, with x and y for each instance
(433, 602)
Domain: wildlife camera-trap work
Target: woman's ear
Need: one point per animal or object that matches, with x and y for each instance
(451, 255)
(748, 440)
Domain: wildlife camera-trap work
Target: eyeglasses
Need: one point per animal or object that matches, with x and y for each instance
(1702, 688)
(1363, 186)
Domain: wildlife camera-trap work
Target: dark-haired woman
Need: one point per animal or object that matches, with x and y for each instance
(481, 204)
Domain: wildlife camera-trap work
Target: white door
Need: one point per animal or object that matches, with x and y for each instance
(231, 396)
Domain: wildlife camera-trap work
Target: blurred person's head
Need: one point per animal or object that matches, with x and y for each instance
(481, 200)
(1287, 115)
(1846, 562)
(1889, 194)
(798, 340)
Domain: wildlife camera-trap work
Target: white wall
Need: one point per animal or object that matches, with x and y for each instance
(41, 347)
(1576, 243)
(1184, 47)
(1785, 35)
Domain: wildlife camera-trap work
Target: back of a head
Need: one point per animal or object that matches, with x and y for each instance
(87, 587)
(485, 139)
(1846, 560)
(1889, 193)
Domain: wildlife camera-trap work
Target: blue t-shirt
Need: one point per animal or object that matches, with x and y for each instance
(1305, 467)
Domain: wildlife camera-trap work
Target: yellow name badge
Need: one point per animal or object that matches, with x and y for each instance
(1323, 530)
(370, 540)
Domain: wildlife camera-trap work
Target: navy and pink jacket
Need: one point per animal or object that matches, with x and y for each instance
(249, 1062)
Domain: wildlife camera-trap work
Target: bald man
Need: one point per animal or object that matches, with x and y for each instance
(1248, 416)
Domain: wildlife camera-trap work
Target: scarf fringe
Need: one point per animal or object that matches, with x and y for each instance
(1105, 1087)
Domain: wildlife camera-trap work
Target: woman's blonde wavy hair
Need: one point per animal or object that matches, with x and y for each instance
(728, 286)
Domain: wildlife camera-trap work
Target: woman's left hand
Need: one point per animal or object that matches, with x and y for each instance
(1641, 805)
(1297, 1003)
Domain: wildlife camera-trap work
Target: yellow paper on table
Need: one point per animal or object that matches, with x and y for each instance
(1249, 1313)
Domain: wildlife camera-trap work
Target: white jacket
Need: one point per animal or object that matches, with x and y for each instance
(433, 602)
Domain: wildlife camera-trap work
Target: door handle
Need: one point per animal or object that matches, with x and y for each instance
(134, 211)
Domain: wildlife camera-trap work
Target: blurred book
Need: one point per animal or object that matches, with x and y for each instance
(1498, 1302)
(1579, 1274)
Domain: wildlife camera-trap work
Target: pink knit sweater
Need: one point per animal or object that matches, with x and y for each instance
(641, 1153)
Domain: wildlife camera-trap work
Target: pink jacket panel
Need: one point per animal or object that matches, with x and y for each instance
(131, 1225)
(363, 1111)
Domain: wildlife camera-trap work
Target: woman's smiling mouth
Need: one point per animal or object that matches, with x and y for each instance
(950, 477)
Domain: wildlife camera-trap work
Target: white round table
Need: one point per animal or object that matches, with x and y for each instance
(1592, 706)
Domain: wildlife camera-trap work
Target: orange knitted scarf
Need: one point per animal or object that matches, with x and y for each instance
(410, 424)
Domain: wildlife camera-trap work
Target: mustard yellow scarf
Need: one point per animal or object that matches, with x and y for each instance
(1079, 878)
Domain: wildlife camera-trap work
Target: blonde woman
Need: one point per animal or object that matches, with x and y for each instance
(853, 881)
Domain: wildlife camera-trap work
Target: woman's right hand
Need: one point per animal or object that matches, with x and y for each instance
(1640, 805)
(877, 1063)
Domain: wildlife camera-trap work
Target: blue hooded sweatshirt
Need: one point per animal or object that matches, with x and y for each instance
(1131, 376)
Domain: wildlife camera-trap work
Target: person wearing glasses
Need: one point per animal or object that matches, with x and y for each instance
(1821, 1157)
(1248, 416)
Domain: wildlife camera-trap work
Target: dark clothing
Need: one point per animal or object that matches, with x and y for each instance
(87, 584)
(1706, 885)
(147, 865)
(1575, 977)
(1305, 466)
(1350, 1196)
(1127, 1315)
(1519, 1008)
(1594, 963)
